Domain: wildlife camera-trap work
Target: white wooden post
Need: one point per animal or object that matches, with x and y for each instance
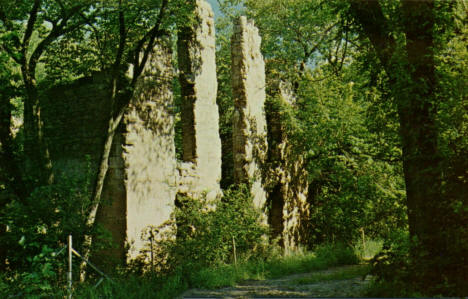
(234, 249)
(70, 257)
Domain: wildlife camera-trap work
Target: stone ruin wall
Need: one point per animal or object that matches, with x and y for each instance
(144, 175)
(148, 148)
(288, 193)
(200, 170)
(141, 183)
(249, 121)
(286, 198)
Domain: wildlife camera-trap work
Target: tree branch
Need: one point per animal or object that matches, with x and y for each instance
(151, 36)
(57, 31)
(369, 15)
(122, 38)
(30, 25)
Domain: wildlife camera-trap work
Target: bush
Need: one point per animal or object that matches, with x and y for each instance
(203, 233)
(337, 254)
(392, 268)
(37, 228)
(402, 270)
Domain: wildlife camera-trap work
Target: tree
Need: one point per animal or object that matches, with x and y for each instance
(28, 29)
(354, 182)
(404, 38)
(114, 35)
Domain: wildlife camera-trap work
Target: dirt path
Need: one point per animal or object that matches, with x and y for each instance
(345, 281)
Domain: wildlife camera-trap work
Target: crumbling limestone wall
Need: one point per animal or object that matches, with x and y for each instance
(201, 170)
(144, 176)
(148, 149)
(75, 118)
(287, 196)
(140, 186)
(249, 123)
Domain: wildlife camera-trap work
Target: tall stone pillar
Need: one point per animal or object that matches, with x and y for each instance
(287, 197)
(149, 150)
(249, 122)
(140, 186)
(201, 170)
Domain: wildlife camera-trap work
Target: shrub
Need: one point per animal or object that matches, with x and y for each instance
(337, 254)
(203, 233)
(37, 228)
(399, 271)
(392, 268)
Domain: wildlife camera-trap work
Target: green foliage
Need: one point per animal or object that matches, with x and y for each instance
(366, 249)
(40, 280)
(224, 98)
(392, 268)
(341, 123)
(37, 229)
(171, 285)
(352, 186)
(345, 123)
(395, 268)
(361, 271)
(47, 217)
(203, 233)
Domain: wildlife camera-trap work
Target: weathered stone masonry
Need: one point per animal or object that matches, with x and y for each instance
(141, 182)
(201, 170)
(287, 176)
(149, 152)
(249, 123)
(144, 176)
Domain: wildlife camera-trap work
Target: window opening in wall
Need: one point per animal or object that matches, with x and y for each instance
(176, 110)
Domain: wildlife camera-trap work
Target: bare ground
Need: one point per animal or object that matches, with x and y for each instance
(306, 285)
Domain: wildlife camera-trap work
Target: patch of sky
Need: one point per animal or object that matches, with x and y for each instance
(222, 7)
(215, 6)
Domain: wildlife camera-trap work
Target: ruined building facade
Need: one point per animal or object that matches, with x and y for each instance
(144, 176)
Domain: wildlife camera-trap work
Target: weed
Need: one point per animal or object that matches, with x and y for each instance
(356, 271)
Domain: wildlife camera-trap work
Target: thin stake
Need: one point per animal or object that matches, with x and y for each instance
(152, 257)
(91, 264)
(363, 236)
(234, 249)
(70, 257)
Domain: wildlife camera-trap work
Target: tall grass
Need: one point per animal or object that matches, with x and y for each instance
(368, 249)
(221, 275)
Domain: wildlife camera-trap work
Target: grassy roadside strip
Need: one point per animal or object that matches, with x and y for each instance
(358, 271)
(228, 275)
(171, 286)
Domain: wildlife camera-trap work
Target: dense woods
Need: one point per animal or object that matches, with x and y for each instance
(378, 119)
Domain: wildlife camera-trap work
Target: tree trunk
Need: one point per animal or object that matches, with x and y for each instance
(39, 163)
(418, 130)
(115, 118)
(412, 79)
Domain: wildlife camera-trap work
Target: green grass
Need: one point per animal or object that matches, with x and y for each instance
(358, 271)
(135, 287)
(369, 249)
(223, 275)
(228, 275)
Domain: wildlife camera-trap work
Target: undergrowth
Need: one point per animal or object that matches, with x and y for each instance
(358, 271)
(206, 244)
(222, 275)
(212, 244)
